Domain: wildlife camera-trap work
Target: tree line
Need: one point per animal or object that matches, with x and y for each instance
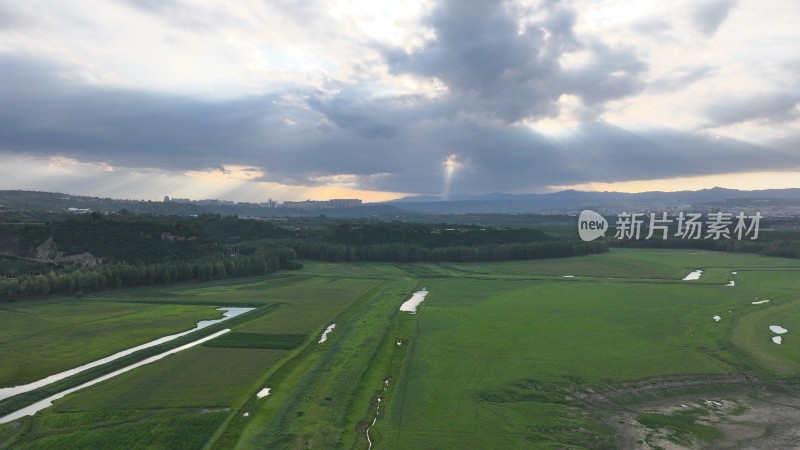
(118, 276)
(430, 236)
(141, 251)
(782, 244)
(407, 253)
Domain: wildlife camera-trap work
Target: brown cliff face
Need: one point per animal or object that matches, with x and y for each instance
(48, 252)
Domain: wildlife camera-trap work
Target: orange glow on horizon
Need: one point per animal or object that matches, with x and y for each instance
(329, 192)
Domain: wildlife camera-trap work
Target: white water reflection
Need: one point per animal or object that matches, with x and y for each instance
(693, 275)
(263, 393)
(411, 304)
(324, 336)
(377, 410)
(42, 404)
(229, 312)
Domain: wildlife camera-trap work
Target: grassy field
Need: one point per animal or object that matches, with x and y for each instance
(67, 332)
(495, 363)
(526, 354)
(199, 385)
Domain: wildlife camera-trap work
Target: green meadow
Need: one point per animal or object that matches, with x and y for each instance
(64, 333)
(524, 354)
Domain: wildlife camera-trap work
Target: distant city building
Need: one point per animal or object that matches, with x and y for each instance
(307, 204)
(344, 202)
(176, 200)
(213, 201)
(269, 204)
(320, 204)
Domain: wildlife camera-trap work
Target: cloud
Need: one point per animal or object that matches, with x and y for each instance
(680, 78)
(375, 143)
(521, 93)
(46, 115)
(710, 15)
(10, 18)
(772, 107)
(507, 63)
(367, 118)
(610, 73)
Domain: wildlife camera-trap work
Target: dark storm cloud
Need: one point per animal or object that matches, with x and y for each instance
(488, 66)
(769, 107)
(41, 114)
(296, 141)
(368, 119)
(499, 66)
(497, 63)
(710, 15)
(611, 74)
(517, 159)
(625, 155)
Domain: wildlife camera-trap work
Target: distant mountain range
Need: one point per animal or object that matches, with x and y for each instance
(571, 200)
(784, 201)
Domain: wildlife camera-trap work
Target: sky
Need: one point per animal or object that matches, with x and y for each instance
(317, 99)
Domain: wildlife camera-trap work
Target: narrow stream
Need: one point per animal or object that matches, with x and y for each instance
(12, 391)
(377, 410)
(42, 404)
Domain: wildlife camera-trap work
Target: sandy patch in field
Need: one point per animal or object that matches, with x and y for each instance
(717, 318)
(760, 302)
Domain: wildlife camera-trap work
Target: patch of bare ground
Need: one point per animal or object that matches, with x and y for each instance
(743, 413)
(212, 410)
(655, 388)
